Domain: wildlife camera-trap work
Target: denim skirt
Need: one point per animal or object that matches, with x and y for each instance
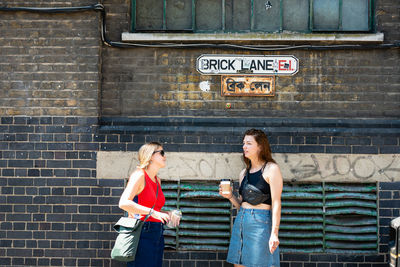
(150, 250)
(249, 239)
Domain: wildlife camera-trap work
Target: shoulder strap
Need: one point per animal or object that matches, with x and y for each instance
(151, 210)
(246, 177)
(263, 167)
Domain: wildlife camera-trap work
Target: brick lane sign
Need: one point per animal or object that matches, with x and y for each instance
(254, 65)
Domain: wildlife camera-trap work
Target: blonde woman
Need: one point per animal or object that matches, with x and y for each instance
(138, 198)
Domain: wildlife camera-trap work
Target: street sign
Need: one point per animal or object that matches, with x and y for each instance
(254, 65)
(246, 85)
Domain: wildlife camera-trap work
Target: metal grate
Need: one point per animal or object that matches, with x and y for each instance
(302, 218)
(206, 221)
(318, 217)
(351, 218)
(328, 217)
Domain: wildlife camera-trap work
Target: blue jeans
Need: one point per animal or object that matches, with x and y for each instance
(151, 246)
(249, 239)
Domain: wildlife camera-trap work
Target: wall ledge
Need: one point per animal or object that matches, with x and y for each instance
(251, 37)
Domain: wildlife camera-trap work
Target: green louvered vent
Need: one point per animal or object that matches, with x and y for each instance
(350, 218)
(317, 217)
(302, 218)
(328, 217)
(205, 224)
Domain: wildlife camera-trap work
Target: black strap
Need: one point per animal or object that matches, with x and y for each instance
(151, 210)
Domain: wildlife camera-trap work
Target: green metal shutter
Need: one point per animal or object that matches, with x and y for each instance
(329, 217)
(351, 218)
(206, 221)
(302, 218)
(317, 217)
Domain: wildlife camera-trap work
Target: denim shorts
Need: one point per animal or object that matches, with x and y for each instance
(249, 239)
(151, 246)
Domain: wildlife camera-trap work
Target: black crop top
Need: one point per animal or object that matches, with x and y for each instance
(258, 181)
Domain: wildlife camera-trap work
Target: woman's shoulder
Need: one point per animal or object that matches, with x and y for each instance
(271, 169)
(137, 174)
(272, 166)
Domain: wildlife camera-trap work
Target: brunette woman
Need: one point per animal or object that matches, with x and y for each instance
(254, 240)
(138, 198)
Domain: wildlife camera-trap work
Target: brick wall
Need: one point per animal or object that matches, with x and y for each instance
(56, 212)
(344, 83)
(331, 83)
(49, 63)
(59, 85)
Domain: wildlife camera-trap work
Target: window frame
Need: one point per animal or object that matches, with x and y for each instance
(223, 30)
(371, 21)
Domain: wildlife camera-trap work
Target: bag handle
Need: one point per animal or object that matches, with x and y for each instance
(151, 210)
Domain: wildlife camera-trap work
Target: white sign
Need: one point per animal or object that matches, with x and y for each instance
(255, 65)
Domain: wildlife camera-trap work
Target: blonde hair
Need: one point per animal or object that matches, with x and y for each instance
(145, 153)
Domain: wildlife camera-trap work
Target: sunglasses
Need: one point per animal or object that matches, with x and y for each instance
(162, 153)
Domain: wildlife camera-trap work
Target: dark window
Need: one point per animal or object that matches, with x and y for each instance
(341, 15)
(252, 15)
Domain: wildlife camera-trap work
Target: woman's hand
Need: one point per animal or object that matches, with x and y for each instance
(226, 195)
(273, 243)
(162, 216)
(175, 219)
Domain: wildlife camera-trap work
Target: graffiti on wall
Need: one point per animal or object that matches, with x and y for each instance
(294, 167)
(344, 168)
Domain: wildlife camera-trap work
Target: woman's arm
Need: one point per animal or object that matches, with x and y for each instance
(134, 187)
(276, 185)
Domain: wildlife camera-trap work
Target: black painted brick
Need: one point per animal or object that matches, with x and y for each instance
(284, 149)
(6, 120)
(113, 147)
(311, 149)
(87, 146)
(389, 186)
(98, 193)
(389, 149)
(60, 146)
(364, 150)
(284, 140)
(338, 149)
(296, 257)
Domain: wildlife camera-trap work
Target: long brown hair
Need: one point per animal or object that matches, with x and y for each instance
(262, 141)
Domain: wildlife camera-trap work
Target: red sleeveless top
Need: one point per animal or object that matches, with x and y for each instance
(148, 196)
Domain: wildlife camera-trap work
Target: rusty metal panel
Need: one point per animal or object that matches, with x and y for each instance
(235, 85)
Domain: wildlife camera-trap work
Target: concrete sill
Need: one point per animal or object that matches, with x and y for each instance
(252, 37)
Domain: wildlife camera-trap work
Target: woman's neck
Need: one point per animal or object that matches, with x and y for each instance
(256, 164)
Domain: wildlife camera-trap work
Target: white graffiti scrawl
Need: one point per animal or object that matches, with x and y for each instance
(342, 168)
(295, 167)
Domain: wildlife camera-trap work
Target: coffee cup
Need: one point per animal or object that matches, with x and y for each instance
(175, 216)
(225, 186)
